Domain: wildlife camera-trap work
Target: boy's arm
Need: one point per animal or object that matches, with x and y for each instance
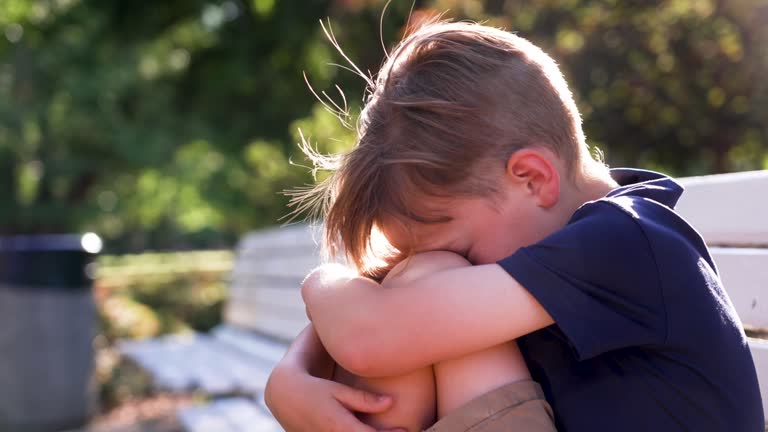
(375, 331)
(302, 398)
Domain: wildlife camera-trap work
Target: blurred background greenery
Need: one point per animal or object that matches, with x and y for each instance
(172, 125)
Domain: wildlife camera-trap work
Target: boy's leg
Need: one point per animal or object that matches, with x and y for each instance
(462, 379)
(488, 391)
(518, 406)
(414, 406)
(413, 394)
(485, 391)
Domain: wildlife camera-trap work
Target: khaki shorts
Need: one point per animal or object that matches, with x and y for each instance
(519, 406)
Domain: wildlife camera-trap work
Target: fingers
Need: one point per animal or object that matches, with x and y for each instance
(341, 420)
(349, 423)
(360, 400)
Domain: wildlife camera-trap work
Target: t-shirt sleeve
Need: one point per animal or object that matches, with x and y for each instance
(598, 279)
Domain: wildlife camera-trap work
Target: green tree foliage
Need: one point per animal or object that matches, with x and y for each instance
(174, 123)
(160, 123)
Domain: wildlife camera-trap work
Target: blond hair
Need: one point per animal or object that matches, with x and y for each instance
(448, 108)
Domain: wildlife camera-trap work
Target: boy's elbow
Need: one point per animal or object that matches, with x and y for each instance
(348, 332)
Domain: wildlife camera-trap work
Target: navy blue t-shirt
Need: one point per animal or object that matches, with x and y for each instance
(645, 337)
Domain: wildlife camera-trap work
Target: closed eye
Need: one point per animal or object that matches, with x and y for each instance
(468, 255)
(464, 253)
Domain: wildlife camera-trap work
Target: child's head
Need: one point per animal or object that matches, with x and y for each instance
(450, 107)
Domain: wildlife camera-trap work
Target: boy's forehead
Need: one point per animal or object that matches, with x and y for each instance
(412, 235)
(429, 221)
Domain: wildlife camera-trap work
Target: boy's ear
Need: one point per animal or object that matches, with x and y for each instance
(535, 170)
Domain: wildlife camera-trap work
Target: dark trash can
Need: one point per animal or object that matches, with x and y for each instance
(47, 325)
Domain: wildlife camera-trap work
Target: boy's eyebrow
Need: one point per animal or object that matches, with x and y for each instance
(417, 208)
(430, 220)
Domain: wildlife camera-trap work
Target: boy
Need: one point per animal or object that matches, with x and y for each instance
(470, 142)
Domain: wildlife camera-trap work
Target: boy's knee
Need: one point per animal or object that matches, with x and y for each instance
(423, 264)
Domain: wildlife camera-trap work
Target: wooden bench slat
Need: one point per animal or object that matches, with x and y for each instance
(728, 209)
(280, 237)
(221, 369)
(261, 311)
(744, 272)
(255, 345)
(265, 321)
(296, 266)
(228, 415)
(202, 362)
(280, 250)
(159, 357)
(243, 287)
(203, 419)
(279, 297)
(174, 362)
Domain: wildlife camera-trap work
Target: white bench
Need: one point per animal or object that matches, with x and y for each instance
(265, 312)
(231, 363)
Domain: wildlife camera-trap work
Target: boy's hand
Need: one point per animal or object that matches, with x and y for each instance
(302, 397)
(301, 402)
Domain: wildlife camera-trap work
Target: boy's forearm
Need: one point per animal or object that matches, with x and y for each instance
(305, 356)
(308, 354)
(375, 331)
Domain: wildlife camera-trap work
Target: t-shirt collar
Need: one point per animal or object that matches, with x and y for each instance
(648, 184)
